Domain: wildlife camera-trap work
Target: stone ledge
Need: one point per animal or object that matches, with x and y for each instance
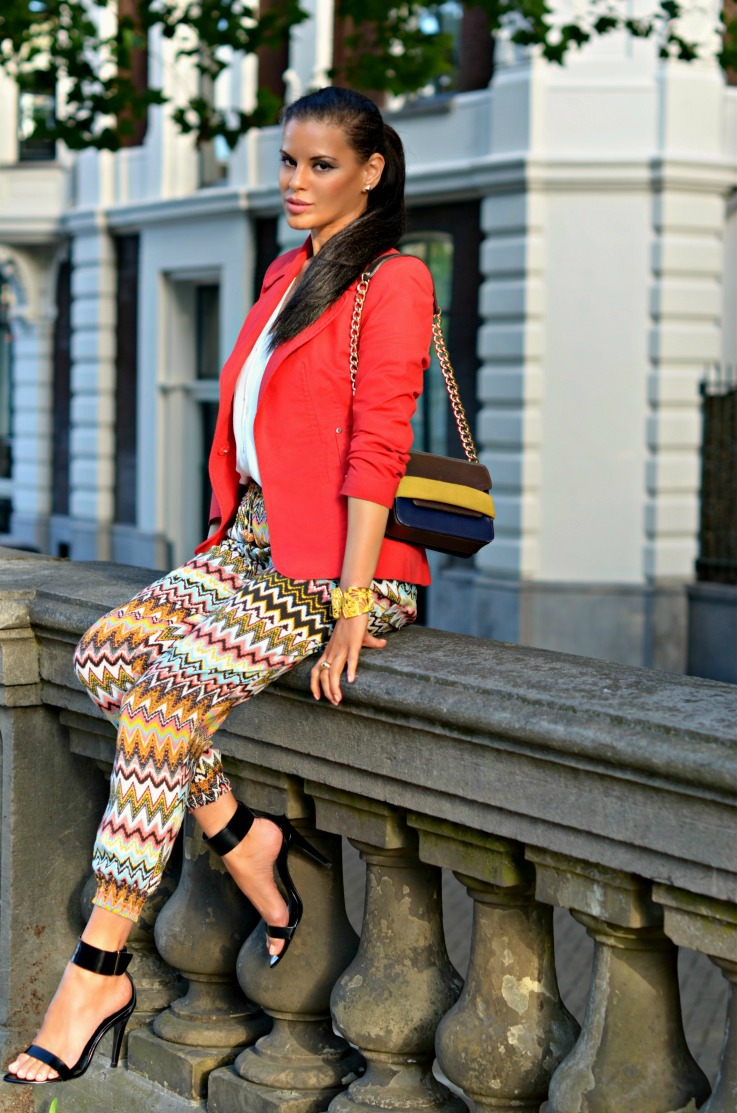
(582, 757)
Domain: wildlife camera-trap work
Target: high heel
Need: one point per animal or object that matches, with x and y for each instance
(110, 963)
(233, 834)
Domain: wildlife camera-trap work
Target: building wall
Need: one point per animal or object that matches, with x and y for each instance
(609, 261)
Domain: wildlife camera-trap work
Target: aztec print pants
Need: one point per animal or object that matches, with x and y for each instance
(169, 666)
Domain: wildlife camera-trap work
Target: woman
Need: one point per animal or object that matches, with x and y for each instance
(303, 473)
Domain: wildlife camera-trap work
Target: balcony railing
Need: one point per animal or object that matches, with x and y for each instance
(539, 779)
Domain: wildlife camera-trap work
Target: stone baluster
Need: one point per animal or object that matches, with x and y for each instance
(632, 1053)
(509, 1030)
(301, 1064)
(391, 998)
(199, 932)
(709, 926)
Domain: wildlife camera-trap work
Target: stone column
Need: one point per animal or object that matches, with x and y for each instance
(92, 446)
(301, 1064)
(709, 926)
(509, 1030)
(31, 271)
(632, 1053)
(391, 998)
(199, 932)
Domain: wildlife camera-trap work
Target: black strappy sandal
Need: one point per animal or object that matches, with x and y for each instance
(109, 963)
(235, 832)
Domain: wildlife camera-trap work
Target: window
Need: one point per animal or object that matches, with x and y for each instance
(6, 370)
(62, 365)
(430, 422)
(36, 104)
(207, 371)
(189, 389)
(126, 378)
(448, 239)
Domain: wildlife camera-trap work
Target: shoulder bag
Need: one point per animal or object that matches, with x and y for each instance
(442, 503)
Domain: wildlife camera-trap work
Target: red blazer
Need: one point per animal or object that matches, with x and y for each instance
(316, 442)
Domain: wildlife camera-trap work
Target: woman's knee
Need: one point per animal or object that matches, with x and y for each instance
(83, 651)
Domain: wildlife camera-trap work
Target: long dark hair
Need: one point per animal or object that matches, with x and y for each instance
(340, 261)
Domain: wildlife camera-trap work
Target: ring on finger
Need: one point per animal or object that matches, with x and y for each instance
(324, 664)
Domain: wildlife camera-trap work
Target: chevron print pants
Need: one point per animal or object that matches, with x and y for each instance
(169, 666)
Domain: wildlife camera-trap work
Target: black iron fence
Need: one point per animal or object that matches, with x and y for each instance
(717, 560)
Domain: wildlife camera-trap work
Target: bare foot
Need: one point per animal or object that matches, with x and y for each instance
(251, 865)
(80, 1004)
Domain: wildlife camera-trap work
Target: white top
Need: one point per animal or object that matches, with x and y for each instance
(245, 400)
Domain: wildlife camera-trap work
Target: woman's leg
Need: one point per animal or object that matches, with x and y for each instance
(168, 718)
(256, 636)
(82, 1001)
(122, 645)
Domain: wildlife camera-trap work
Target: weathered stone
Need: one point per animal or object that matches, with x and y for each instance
(509, 1030)
(600, 892)
(632, 1053)
(694, 921)
(301, 1064)
(183, 1070)
(228, 1094)
(391, 998)
(103, 1090)
(724, 1098)
(711, 927)
(199, 931)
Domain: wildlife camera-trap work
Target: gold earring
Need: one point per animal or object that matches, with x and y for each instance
(367, 188)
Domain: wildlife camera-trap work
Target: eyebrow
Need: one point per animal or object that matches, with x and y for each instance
(313, 158)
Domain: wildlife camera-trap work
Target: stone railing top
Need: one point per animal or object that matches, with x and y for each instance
(627, 767)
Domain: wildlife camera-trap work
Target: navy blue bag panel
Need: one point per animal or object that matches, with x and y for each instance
(466, 533)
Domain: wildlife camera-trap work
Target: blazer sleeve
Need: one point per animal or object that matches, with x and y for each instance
(393, 354)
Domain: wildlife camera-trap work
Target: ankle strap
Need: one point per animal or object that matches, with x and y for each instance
(233, 833)
(100, 962)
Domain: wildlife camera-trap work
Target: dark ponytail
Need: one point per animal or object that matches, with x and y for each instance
(341, 260)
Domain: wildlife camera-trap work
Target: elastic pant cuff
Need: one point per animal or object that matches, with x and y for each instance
(119, 899)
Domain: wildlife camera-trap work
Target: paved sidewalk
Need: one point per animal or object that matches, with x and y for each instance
(704, 992)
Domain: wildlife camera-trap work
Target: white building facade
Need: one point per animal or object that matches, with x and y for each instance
(582, 225)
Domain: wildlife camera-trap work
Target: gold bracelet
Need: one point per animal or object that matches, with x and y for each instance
(351, 601)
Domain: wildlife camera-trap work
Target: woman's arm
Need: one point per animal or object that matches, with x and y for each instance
(394, 344)
(366, 526)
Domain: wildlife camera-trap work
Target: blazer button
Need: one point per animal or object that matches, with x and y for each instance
(223, 451)
(339, 430)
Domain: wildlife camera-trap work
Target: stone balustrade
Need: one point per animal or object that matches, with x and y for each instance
(539, 779)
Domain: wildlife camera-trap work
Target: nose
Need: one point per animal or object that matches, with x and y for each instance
(295, 178)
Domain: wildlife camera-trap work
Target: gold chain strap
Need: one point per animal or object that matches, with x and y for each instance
(464, 430)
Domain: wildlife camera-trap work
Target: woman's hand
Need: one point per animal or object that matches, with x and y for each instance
(349, 637)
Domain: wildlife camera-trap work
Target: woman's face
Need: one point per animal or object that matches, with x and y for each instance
(322, 182)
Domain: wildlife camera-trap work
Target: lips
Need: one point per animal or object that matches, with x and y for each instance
(296, 206)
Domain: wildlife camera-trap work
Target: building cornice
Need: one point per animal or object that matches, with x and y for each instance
(453, 180)
(517, 170)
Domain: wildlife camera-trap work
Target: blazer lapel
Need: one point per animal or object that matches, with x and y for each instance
(285, 350)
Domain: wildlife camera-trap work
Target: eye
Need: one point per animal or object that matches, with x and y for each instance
(324, 166)
(285, 160)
